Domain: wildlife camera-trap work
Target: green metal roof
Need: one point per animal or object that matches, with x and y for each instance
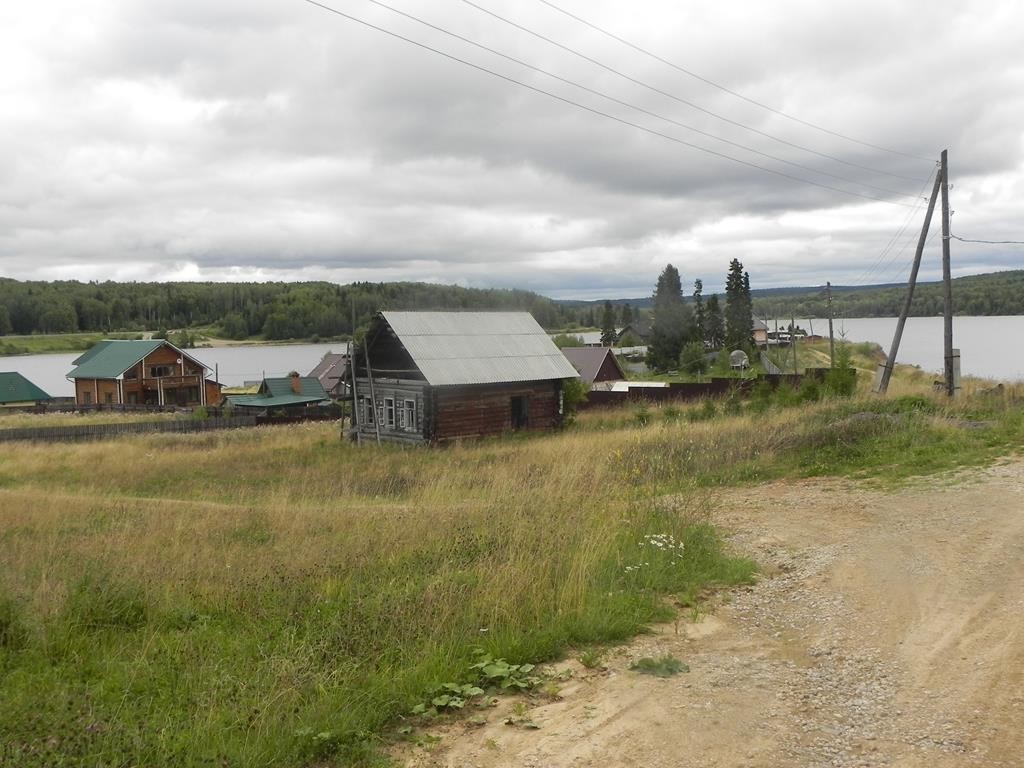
(309, 386)
(278, 393)
(15, 388)
(264, 401)
(110, 358)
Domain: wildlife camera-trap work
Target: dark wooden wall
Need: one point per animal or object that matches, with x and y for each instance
(486, 409)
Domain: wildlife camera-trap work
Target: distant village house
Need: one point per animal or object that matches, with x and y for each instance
(283, 393)
(332, 373)
(436, 376)
(18, 392)
(594, 364)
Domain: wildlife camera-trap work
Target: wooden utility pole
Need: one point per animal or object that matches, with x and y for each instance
(831, 338)
(792, 340)
(885, 369)
(947, 286)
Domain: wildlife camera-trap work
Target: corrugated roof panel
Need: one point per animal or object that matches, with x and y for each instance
(478, 347)
(113, 358)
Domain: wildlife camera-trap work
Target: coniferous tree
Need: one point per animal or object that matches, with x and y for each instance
(608, 325)
(673, 321)
(627, 314)
(699, 314)
(714, 329)
(738, 310)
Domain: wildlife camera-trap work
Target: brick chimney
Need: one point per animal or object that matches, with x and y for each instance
(296, 383)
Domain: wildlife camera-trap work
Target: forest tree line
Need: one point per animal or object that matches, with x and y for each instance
(996, 293)
(245, 310)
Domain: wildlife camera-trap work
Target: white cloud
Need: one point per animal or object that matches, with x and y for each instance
(188, 140)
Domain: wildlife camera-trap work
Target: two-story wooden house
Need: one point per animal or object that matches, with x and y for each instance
(149, 372)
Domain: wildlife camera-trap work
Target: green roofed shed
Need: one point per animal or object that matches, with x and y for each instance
(15, 389)
(284, 392)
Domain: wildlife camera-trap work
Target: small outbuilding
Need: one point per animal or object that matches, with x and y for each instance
(283, 393)
(436, 376)
(18, 392)
(594, 364)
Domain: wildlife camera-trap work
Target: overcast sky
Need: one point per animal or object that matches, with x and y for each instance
(274, 140)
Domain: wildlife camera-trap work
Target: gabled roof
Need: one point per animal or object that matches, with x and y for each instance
(331, 369)
(758, 324)
(15, 388)
(588, 361)
(109, 358)
(452, 348)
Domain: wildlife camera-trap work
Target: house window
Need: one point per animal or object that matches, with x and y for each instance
(159, 371)
(367, 411)
(389, 412)
(520, 411)
(108, 397)
(87, 398)
(409, 415)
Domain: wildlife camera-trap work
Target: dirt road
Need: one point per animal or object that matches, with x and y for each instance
(887, 630)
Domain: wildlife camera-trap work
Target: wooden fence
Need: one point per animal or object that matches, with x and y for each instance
(76, 432)
(81, 432)
(675, 391)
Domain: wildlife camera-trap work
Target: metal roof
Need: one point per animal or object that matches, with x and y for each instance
(15, 388)
(452, 348)
(109, 358)
(281, 386)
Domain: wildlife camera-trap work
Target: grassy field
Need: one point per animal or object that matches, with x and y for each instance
(279, 597)
(39, 344)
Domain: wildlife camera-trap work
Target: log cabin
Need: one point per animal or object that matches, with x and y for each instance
(429, 377)
(145, 372)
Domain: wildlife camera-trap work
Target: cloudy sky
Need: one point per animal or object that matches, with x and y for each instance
(277, 140)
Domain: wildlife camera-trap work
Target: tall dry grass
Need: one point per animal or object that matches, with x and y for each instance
(279, 596)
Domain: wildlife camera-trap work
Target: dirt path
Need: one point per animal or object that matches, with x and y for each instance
(887, 631)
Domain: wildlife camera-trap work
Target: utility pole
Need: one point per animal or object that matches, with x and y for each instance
(951, 377)
(831, 338)
(885, 369)
(792, 340)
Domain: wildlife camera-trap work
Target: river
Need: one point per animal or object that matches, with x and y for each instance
(234, 365)
(990, 347)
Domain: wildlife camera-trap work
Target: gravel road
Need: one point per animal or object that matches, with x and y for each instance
(886, 630)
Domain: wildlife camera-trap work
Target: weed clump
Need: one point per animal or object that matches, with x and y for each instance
(664, 666)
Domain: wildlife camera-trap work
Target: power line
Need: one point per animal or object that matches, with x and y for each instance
(630, 105)
(681, 100)
(595, 111)
(720, 87)
(988, 242)
(879, 262)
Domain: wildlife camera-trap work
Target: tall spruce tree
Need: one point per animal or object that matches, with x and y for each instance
(673, 321)
(608, 325)
(739, 315)
(699, 314)
(714, 324)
